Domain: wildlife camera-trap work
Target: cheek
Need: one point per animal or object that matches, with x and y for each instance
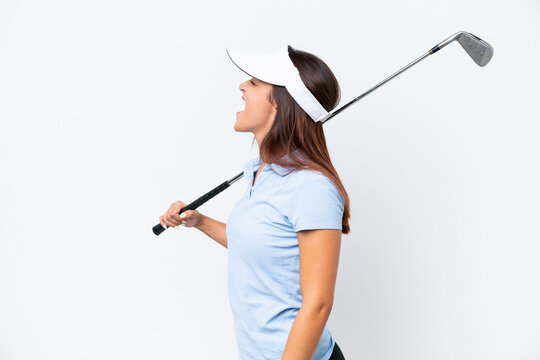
(261, 109)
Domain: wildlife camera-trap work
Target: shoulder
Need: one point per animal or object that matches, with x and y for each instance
(305, 176)
(309, 182)
(313, 202)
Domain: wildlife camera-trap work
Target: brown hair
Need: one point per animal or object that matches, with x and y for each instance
(293, 129)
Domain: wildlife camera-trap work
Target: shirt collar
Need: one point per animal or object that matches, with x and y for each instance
(253, 164)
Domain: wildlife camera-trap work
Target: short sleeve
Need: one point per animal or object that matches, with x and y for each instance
(315, 204)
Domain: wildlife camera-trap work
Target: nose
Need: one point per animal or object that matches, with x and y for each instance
(242, 86)
(242, 91)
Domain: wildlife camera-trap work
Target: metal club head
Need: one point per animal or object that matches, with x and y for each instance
(479, 50)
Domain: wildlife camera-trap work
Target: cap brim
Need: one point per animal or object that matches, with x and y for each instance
(265, 67)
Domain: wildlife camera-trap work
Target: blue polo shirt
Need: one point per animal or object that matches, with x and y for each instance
(263, 256)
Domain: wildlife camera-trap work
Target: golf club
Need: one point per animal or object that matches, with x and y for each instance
(479, 50)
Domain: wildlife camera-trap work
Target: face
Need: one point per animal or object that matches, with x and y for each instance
(259, 114)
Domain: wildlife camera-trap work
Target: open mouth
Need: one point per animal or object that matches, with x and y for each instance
(244, 104)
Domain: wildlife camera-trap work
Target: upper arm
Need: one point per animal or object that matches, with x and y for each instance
(319, 257)
(315, 213)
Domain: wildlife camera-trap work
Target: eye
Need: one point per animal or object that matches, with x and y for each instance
(252, 82)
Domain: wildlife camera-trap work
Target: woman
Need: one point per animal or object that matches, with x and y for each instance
(284, 235)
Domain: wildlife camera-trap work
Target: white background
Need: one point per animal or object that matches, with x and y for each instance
(112, 110)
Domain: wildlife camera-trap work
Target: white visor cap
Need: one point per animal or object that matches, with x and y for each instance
(277, 68)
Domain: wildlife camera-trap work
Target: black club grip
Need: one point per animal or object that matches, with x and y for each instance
(158, 229)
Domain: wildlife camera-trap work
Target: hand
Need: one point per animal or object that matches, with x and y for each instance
(172, 218)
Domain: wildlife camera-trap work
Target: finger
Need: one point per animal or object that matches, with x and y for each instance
(174, 219)
(162, 223)
(174, 212)
(183, 216)
(169, 221)
(170, 216)
(177, 217)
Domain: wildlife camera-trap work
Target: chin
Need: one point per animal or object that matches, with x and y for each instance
(238, 128)
(238, 125)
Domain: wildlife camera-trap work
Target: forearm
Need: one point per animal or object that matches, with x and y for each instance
(305, 333)
(214, 229)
